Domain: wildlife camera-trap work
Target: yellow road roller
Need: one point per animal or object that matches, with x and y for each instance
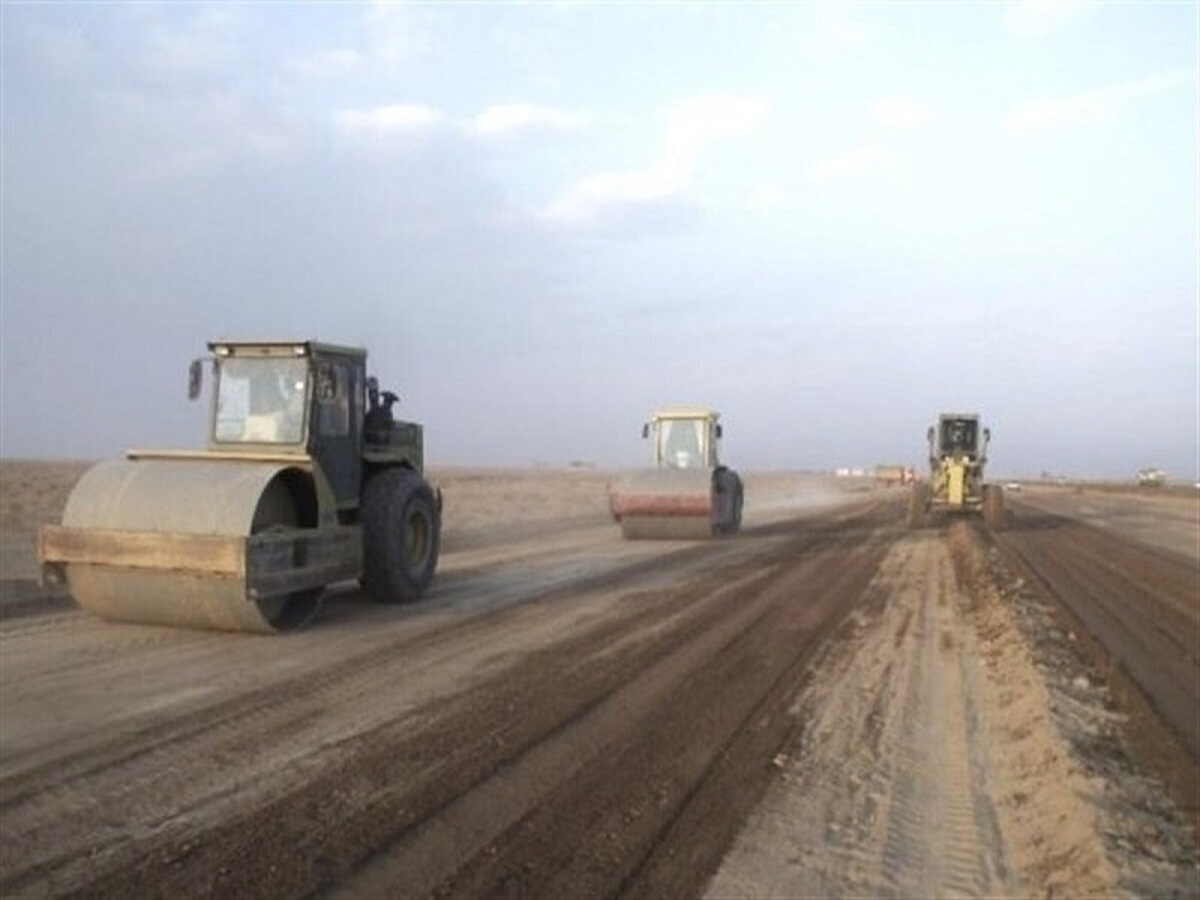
(308, 479)
(957, 456)
(687, 493)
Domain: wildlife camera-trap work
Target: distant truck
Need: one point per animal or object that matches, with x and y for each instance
(1152, 477)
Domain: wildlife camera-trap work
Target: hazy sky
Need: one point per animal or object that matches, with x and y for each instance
(827, 220)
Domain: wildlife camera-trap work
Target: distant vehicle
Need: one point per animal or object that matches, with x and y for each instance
(1014, 486)
(1152, 477)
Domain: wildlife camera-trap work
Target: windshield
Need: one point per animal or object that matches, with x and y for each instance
(260, 401)
(958, 436)
(681, 443)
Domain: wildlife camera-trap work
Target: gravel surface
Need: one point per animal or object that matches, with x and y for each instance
(825, 705)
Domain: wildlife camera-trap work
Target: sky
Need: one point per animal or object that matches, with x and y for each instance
(830, 221)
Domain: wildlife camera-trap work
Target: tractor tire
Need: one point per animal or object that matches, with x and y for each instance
(993, 507)
(401, 536)
(918, 505)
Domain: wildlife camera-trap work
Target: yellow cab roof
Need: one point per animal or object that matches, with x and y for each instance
(685, 412)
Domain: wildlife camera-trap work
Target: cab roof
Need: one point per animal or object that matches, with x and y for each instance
(238, 347)
(685, 412)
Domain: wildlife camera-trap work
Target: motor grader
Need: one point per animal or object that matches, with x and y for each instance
(957, 456)
(307, 480)
(687, 493)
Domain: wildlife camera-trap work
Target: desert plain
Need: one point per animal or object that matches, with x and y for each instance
(827, 704)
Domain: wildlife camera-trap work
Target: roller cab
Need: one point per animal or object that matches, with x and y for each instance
(686, 493)
(307, 480)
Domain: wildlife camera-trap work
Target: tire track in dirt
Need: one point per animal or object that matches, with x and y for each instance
(651, 819)
(935, 761)
(258, 730)
(157, 812)
(1141, 608)
(885, 792)
(683, 860)
(108, 654)
(941, 835)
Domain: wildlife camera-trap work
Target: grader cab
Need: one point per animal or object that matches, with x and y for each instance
(957, 457)
(307, 480)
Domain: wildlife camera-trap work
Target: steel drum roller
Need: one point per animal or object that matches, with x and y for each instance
(182, 497)
(671, 504)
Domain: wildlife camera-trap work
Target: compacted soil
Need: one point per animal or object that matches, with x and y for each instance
(824, 705)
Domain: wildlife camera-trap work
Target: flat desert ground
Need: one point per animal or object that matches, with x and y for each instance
(827, 704)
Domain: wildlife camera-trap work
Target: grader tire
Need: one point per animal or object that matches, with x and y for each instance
(918, 506)
(993, 507)
(401, 536)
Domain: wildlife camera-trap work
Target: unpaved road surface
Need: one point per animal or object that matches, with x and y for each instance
(826, 705)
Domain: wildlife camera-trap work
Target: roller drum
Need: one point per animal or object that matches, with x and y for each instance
(172, 497)
(665, 504)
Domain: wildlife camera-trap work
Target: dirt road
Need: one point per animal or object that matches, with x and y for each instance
(825, 705)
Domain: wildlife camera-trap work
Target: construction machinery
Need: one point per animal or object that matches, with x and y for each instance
(957, 456)
(308, 479)
(687, 493)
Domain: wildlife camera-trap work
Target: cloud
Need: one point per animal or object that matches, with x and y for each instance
(203, 46)
(834, 29)
(326, 64)
(398, 33)
(768, 196)
(691, 126)
(502, 118)
(902, 114)
(695, 122)
(1090, 107)
(1038, 18)
(590, 196)
(856, 162)
(417, 118)
(398, 118)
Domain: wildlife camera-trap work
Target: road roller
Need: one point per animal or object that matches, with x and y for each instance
(307, 479)
(686, 493)
(957, 456)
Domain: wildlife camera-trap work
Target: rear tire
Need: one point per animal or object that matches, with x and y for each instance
(993, 507)
(727, 502)
(401, 536)
(918, 505)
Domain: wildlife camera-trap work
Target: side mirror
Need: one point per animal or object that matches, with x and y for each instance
(720, 432)
(646, 430)
(987, 434)
(195, 378)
